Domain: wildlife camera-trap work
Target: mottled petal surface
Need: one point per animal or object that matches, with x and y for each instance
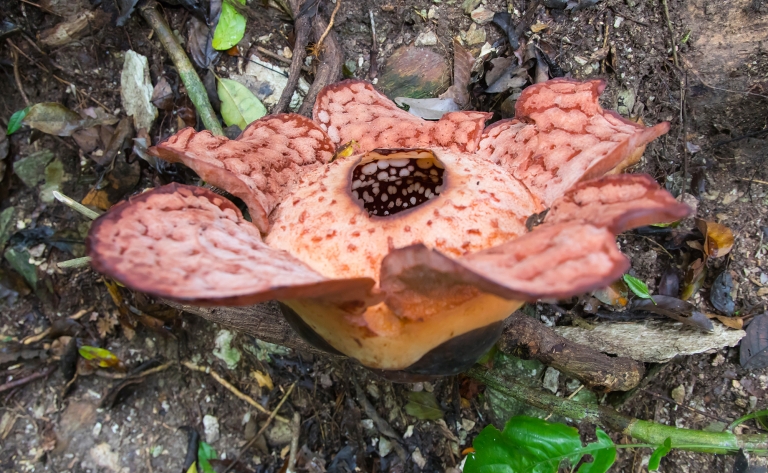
(354, 110)
(261, 166)
(619, 203)
(561, 136)
(555, 261)
(189, 244)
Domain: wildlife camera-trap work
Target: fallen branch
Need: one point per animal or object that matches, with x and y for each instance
(26, 380)
(319, 44)
(643, 431)
(195, 89)
(301, 28)
(329, 69)
(525, 337)
(233, 389)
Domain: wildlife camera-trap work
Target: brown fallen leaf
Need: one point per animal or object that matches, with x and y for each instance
(116, 184)
(463, 61)
(730, 322)
(718, 239)
(614, 295)
(694, 278)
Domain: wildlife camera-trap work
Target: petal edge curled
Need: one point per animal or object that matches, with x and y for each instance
(190, 244)
(561, 136)
(617, 202)
(260, 166)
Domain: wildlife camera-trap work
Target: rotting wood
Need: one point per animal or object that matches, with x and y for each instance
(523, 336)
(527, 338)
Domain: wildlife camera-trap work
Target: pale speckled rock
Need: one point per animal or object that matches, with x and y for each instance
(651, 342)
(426, 38)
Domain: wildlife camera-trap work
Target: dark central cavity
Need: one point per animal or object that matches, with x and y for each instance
(389, 181)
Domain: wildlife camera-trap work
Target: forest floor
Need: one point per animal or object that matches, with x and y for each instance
(713, 90)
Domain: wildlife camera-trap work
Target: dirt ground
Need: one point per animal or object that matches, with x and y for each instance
(713, 91)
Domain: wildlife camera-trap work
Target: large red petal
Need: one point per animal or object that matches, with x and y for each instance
(354, 110)
(561, 136)
(189, 244)
(555, 261)
(618, 202)
(260, 166)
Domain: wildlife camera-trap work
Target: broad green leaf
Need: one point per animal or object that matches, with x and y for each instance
(424, 406)
(638, 287)
(104, 358)
(238, 104)
(204, 453)
(531, 445)
(230, 29)
(660, 452)
(14, 123)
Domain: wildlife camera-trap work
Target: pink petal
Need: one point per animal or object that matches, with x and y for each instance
(618, 202)
(189, 244)
(260, 166)
(556, 261)
(561, 136)
(354, 110)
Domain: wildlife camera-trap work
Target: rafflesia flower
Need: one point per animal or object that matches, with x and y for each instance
(408, 254)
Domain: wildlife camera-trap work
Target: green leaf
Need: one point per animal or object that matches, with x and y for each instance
(424, 406)
(638, 287)
(104, 358)
(204, 453)
(14, 123)
(238, 104)
(531, 445)
(230, 29)
(660, 452)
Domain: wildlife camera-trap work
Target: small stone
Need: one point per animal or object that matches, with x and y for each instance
(718, 360)
(467, 424)
(373, 391)
(211, 428)
(408, 432)
(432, 13)
(428, 387)
(417, 387)
(287, 53)
(475, 35)
(678, 394)
(469, 5)
(482, 16)
(752, 402)
(580, 60)
(224, 350)
(368, 425)
(618, 21)
(385, 446)
(279, 434)
(96, 429)
(426, 38)
(418, 458)
(551, 377)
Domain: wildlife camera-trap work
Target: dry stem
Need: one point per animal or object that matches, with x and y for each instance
(233, 389)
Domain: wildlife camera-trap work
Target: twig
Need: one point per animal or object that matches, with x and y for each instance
(278, 57)
(753, 180)
(75, 263)
(319, 44)
(36, 338)
(691, 409)
(657, 244)
(22, 381)
(671, 33)
(16, 74)
(273, 415)
(301, 28)
(195, 89)
(76, 206)
(155, 370)
(296, 430)
(232, 389)
(329, 69)
(373, 70)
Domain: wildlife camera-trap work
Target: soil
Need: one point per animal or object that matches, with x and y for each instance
(714, 92)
